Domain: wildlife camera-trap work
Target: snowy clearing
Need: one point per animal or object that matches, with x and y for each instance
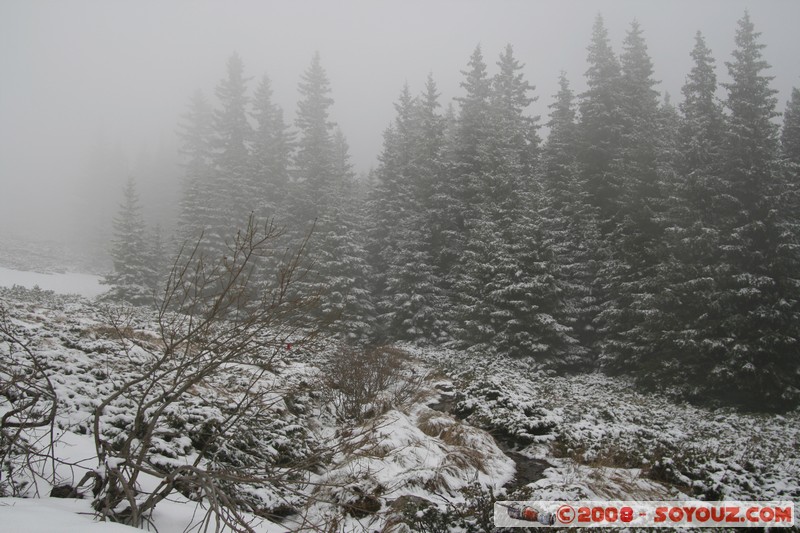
(63, 283)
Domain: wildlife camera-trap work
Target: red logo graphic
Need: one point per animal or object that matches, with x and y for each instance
(565, 514)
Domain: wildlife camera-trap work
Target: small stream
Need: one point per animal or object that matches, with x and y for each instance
(528, 469)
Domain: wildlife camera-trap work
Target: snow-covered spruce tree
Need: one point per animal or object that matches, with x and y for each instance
(429, 314)
(790, 149)
(790, 135)
(131, 281)
(423, 285)
(391, 199)
(514, 143)
(701, 127)
(463, 254)
(314, 156)
(391, 196)
(569, 225)
(341, 270)
(268, 176)
(696, 203)
(635, 237)
(756, 301)
(473, 123)
(461, 196)
(271, 153)
(600, 127)
(429, 142)
(231, 195)
(195, 130)
(458, 190)
(324, 195)
(503, 287)
(407, 283)
(599, 139)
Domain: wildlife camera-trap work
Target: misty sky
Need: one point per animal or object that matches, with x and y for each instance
(80, 74)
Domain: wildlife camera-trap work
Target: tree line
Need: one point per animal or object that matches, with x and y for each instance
(637, 238)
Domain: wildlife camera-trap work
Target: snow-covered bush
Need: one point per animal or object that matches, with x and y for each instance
(28, 403)
(213, 345)
(364, 382)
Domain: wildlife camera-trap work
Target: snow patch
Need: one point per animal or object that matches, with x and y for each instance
(63, 283)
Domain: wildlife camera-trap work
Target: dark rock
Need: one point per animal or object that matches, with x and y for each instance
(365, 505)
(65, 491)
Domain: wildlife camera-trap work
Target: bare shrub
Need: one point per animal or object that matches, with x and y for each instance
(29, 405)
(214, 317)
(366, 382)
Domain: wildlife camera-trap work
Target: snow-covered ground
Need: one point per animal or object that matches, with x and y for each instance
(597, 430)
(407, 449)
(46, 515)
(63, 283)
(476, 427)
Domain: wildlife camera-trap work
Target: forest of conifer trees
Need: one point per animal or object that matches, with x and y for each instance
(618, 234)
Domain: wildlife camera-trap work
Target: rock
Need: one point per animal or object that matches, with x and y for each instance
(65, 491)
(402, 507)
(365, 505)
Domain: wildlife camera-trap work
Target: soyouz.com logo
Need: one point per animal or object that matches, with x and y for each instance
(643, 514)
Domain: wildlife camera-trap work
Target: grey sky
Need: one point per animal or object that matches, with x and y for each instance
(79, 73)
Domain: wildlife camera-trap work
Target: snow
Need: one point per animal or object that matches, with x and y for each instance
(594, 436)
(604, 438)
(63, 283)
(45, 515)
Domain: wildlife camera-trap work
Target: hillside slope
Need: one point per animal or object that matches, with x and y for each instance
(447, 436)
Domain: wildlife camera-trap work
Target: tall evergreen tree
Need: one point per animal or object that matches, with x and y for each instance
(271, 153)
(196, 134)
(464, 191)
(790, 135)
(228, 198)
(685, 331)
(513, 142)
(758, 297)
(701, 128)
(324, 193)
(458, 191)
(430, 141)
(314, 158)
(504, 293)
(569, 225)
(232, 142)
(393, 196)
(131, 281)
(790, 149)
(427, 295)
(407, 281)
(752, 135)
(341, 270)
(636, 232)
(473, 123)
(601, 126)
(639, 146)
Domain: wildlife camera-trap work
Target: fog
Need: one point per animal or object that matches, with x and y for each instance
(92, 90)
